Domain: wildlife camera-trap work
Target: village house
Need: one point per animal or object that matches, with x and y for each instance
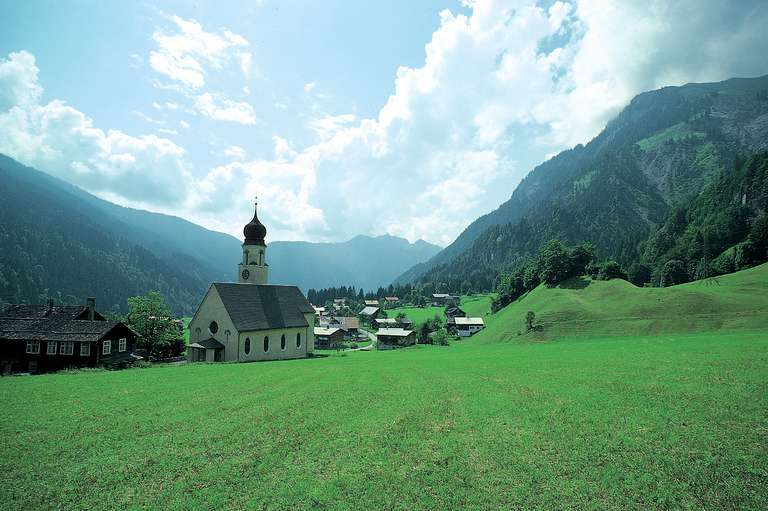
(466, 327)
(393, 323)
(369, 314)
(391, 338)
(251, 320)
(371, 303)
(350, 326)
(453, 311)
(326, 338)
(391, 301)
(440, 299)
(44, 338)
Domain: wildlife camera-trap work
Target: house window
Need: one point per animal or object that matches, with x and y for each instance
(213, 327)
(85, 349)
(266, 343)
(66, 347)
(122, 344)
(33, 347)
(32, 366)
(51, 347)
(298, 340)
(282, 342)
(247, 346)
(106, 349)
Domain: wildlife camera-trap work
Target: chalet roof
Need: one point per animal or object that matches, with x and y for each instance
(347, 322)
(469, 321)
(372, 303)
(44, 311)
(440, 295)
(391, 298)
(57, 329)
(386, 321)
(210, 344)
(326, 331)
(264, 307)
(394, 332)
(369, 311)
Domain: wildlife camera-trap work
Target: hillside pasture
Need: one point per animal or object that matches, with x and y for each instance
(585, 307)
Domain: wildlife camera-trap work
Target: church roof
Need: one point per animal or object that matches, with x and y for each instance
(264, 307)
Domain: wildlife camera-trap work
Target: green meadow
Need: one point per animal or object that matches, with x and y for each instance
(626, 399)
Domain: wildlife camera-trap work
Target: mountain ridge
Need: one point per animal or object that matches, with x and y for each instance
(699, 130)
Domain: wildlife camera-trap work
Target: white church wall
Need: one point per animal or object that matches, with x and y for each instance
(212, 309)
(275, 352)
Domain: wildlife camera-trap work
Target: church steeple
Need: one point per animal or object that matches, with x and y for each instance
(254, 230)
(254, 268)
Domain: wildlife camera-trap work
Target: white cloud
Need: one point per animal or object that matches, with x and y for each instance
(185, 55)
(59, 139)
(220, 108)
(309, 87)
(18, 76)
(167, 131)
(326, 127)
(234, 152)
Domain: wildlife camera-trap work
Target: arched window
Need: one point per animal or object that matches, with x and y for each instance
(247, 345)
(282, 342)
(298, 340)
(197, 334)
(266, 343)
(213, 327)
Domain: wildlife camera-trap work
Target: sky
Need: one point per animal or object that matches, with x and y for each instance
(409, 118)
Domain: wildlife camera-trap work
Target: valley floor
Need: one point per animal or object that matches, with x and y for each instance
(673, 421)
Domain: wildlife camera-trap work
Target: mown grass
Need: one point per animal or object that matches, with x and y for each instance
(627, 423)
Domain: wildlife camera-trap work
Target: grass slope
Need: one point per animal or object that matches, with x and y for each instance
(606, 308)
(633, 423)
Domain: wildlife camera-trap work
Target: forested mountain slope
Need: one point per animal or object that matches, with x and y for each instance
(60, 242)
(663, 149)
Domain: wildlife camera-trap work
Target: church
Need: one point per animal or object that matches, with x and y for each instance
(251, 320)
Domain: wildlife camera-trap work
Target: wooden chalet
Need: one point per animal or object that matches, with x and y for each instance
(393, 323)
(44, 338)
(439, 299)
(392, 338)
(454, 311)
(326, 338)
(465, 327)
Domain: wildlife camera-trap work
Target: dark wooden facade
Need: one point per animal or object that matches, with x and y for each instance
(39, 339)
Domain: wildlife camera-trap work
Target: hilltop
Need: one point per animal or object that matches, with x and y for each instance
(581, 307)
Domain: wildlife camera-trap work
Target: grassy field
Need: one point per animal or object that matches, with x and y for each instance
(632, 423)
(673, 420)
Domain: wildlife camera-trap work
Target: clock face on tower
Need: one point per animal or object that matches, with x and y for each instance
(245, 274)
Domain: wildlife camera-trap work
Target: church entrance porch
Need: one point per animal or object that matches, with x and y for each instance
(209, 350)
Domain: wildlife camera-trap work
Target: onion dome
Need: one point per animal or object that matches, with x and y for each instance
(254, 230)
